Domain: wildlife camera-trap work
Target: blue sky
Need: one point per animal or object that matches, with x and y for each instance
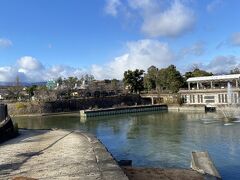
(42, 39)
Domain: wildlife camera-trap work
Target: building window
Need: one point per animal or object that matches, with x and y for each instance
(184, 98)
(200, 98)
(209, 99)
(193, 98)
(223, 100)
(219, 98)
(226, 99)
(235, 98)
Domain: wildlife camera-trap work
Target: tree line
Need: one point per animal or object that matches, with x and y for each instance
(167, 79)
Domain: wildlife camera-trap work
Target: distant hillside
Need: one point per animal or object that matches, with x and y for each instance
(22, 83)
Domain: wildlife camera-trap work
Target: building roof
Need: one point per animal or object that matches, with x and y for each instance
(212, 78)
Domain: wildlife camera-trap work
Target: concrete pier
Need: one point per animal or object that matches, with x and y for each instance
(202, 163)
(57, 154)
(122, 110)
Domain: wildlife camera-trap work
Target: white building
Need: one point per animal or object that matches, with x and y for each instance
(212, 90)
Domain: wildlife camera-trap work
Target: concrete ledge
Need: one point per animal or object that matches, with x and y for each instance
(57, 154)
(187, 108)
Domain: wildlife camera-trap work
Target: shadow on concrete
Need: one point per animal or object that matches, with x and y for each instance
(6, 168)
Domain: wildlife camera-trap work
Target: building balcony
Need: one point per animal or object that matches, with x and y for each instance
(208, 90)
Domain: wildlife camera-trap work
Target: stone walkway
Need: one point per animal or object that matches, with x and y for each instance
(57, 154)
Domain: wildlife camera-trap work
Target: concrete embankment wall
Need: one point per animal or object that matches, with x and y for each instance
(122, 110)
(21, 108)
(187, 108)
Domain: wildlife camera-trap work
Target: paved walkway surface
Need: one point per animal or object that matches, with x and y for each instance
(57, 154)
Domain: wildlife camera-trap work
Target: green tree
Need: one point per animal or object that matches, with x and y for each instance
(59, 81)
(197, 73)
(70, 82)
(169, 79)
(114, 84)
(30, 90)
(134, 80)
(147, 82)
(150, 78)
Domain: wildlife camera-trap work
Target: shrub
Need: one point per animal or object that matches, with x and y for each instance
(20, 105)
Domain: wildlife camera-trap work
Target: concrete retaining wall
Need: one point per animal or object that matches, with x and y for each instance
(187, 108)
(21, 108)
(122, 110)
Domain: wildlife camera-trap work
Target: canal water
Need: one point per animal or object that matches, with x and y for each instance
(159, 139)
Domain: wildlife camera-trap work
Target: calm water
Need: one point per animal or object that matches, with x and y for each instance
(157, 139)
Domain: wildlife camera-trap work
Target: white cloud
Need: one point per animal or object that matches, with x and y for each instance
(140, 55)
(157, 20)
(63, 71)
(173, 22)
(7, 74)
(196, 49)
(220, 64)
(148, 6)
(213, 5)
(112, 6)
(28, 63)
(4, 43)
(235, 39)
(29, 69)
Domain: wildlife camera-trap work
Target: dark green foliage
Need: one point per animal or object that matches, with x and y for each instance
(197, 73)
(169, 79)
(59, 81)
(150, 78)
(70, 82)
(30, 90)
(134, 80)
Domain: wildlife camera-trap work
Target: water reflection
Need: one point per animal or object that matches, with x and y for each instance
(157, 139)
